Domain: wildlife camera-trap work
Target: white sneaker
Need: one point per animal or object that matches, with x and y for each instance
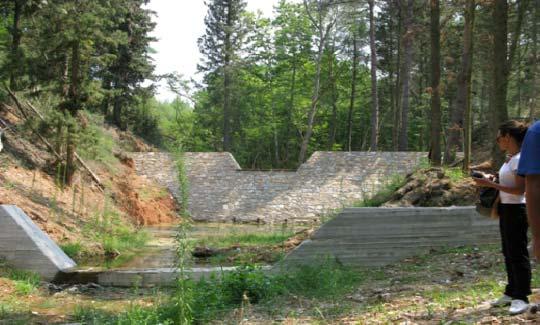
(502, 301)
(518, 306)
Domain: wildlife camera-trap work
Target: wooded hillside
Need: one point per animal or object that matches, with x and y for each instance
(319, 75)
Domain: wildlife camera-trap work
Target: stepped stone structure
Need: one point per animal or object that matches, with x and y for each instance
(24, 246)
(379, 236)
(219, 190)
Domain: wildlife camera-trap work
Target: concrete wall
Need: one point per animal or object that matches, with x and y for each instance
(24, 246)
(221, 191)
(379, 236)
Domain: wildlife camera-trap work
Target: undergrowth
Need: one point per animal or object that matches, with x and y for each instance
(25, 281)
(391, 185)
(119, 239)
(246, 239)
(214, 297)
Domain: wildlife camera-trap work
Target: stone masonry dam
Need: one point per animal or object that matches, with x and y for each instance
(219, 190)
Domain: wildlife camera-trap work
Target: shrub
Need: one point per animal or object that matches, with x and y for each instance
(72, 250)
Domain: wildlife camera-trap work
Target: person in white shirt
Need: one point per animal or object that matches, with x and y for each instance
(512, 219)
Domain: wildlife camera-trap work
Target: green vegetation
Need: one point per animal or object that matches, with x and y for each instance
(212, 298)
(96, 144)
(318, 292)
(72, 250)
(120, 240)
(455, 174)
(247, 239)
(446, 285)
(257, 98)
(385, 194)
(25, 282)
(182, 181)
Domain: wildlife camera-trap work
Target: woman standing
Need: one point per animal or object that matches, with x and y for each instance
(512, 219)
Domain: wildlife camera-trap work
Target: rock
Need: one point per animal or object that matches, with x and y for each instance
(73, 289)
(204, 252)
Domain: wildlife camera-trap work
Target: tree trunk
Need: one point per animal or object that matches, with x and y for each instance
(467, 69)
(333, 120)
(353, 91)
(314, 99)
(498, 110)
(15, 45)
(435, 151)
(227, 139)
(323, 29)
(407, 40)
(117, 111)
(374, 96)
(396, 90)
(456, 128)
(522, 7)
(534, 72)
(290, 111)
(73, 92)
(70, 155)
(73, 95)
(274, 132)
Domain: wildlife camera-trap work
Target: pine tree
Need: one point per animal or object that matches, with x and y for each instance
(220, 47)
(133, 64)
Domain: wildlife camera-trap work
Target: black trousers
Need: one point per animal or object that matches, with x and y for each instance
(513, 225)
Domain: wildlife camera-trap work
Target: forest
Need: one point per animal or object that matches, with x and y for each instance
(344, 75)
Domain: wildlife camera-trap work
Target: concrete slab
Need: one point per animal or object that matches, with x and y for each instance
(26, 247)
(379, 236)
(142, 278)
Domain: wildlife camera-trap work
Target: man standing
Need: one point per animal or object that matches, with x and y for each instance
(529, 167)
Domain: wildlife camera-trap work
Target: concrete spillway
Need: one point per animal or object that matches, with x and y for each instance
(25, 246)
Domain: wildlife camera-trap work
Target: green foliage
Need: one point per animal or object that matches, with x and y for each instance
(183, 182)
(115, 235)
(455, 174)
(145, 121)
(325, 279)
(385, 194)
(248, 239)
(72, 250)
(25, 282)
(96, 144)
(134, 315)
(211, 298)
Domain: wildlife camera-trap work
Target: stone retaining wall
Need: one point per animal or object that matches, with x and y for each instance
(221, 191)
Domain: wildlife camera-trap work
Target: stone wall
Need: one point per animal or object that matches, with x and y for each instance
(221, 191)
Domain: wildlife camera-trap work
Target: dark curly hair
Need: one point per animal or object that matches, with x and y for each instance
(515, 129)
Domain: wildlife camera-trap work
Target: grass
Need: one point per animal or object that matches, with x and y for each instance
(239, 248)
(96, 144)
(120, 240)
(147, 194)
(454, 173)
(384, 194)
(321, 293)
(25, 282)
(246, 239)
(217, 296)
(72, 250)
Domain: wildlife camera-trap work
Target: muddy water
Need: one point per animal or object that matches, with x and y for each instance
(160, 250)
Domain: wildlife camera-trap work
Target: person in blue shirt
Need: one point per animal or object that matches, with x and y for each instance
(529, 167)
